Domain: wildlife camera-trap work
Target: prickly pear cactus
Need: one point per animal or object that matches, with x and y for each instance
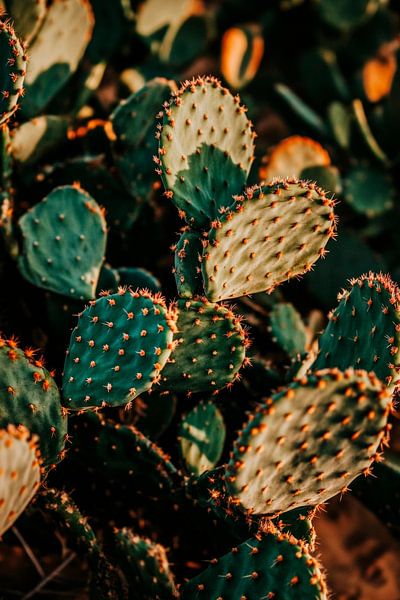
(308, 442)
(20, 473)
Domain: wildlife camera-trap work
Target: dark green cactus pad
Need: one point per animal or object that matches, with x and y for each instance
(364, 329)
(206, 150)
(145, 566)
(268, 565)
(56, 51)
(308, 442)
(104, 581)
(126, 458)
(369, 190)
(381, 494)
(277, 232)
(65, 228)
(210, 348)
(187, 267)
(287, 329)
(201, 437)
(133, 124)
(299, 523)
(326, 177)
(118, 348)
(31, 398)
(344, 15)
(12, 72)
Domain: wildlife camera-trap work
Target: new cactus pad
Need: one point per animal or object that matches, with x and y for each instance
(12, 72)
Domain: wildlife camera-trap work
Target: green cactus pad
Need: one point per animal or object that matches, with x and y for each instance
(30, 398)
(151, 413)
(327, 177)
(12, 72)
(145, 566)
(269, 565)
(287, 329)
(118, 348)
(276, 233)
(298, 523)
(134, 145)
(20, 473)
(65, 228)
(370, 191)
(55, 53)
(135, 277)
(206, 150)
(187, 271)
(344, 15)
(364, 329)
(202, 437)
(104, 582)
(28, 15)
(210, 350)
(308, 442)
(34, 139)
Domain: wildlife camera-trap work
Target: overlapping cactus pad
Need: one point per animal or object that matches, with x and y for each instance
(364, 330)
(12, 71)
(118, 348)
(270, 565)
(210, 348)
(20, 473)
(276, 232)
(30, 398)
(308, 442)
(206, 149)
(65, 228)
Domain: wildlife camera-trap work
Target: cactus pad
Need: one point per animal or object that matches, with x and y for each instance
(269, 565)
(12, 72)
(30, 398)
(201, 437)
(20, 473)
(308, 442)
(206, 150)
(133, 123)
(145, 566)
(276, 232)
(65, 228)
(287, 329)
(187, 271)
(210, 350)
(117, 349)
(364, 329)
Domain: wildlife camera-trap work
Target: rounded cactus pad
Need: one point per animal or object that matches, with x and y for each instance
(30, 398)
(145, 566)
(64, 239)
(20, 473)
(12, 71)
(308, 442)
(210, 348)
(269, 565)
(275, 233)
(364, 329)
(202, 437)
(206, 149)
(118, 348)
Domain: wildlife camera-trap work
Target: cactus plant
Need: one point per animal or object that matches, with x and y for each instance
(13, 71)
